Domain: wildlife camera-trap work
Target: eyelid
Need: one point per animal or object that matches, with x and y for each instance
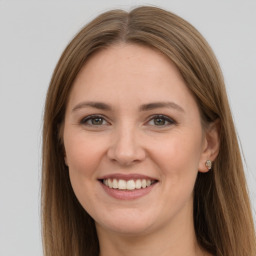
(170, 120)
(87, 118)
(166, 118)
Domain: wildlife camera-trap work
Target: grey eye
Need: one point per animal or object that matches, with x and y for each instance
(161, 120)
(93, 121)
(97, 121)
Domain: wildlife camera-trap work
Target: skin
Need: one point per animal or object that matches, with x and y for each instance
(128, 140)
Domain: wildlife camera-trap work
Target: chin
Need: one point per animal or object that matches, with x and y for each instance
(129, 223)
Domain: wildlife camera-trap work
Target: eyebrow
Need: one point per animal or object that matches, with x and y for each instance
(98, 105)
(154, 105)
(144, 107)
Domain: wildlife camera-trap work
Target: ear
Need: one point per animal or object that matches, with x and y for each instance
(211, 145)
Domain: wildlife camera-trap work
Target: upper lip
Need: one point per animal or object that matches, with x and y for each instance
(120, 176)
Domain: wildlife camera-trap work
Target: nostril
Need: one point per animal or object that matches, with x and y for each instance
(126, 149)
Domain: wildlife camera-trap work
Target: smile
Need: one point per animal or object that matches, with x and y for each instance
(131, 184)
(127, 186)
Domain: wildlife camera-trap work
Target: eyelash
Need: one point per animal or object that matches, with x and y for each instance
(85, 120)
(166, 119)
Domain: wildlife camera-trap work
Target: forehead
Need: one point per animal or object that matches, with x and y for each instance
(134, 58)
(126, 73)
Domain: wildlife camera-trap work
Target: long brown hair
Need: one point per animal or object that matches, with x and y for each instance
(222, 214)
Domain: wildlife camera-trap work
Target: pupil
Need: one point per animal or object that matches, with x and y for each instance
(97, 121)
(159, 121)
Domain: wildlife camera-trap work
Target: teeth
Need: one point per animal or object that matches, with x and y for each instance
(138, 184)
(105, 182)
(127, 185)
(130, 185)
(115, 183)
(109, 183)
(144, 183)
(121, 184)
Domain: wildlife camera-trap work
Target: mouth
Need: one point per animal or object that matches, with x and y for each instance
(128, 184)
(127, 187)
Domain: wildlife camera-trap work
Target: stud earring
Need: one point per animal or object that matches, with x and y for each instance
(208, 164)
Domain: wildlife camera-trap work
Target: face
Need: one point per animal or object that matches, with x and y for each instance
(134, 141)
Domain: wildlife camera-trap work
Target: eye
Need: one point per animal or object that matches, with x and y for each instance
(161, 120)
(94, 120)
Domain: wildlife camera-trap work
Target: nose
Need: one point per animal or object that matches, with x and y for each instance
(126, 148)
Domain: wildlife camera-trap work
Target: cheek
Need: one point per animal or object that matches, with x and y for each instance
(82, 154)
(82, 157)
(178, 162)
(178, 158)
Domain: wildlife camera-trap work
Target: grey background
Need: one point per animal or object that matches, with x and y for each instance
(32, 36)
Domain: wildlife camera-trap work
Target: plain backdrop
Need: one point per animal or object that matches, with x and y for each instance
(33, 34)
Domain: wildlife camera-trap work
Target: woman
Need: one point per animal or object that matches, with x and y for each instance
(140, 154)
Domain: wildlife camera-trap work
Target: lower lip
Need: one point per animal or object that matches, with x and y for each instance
(127, 194)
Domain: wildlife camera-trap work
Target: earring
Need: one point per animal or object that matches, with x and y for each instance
(208, 164)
